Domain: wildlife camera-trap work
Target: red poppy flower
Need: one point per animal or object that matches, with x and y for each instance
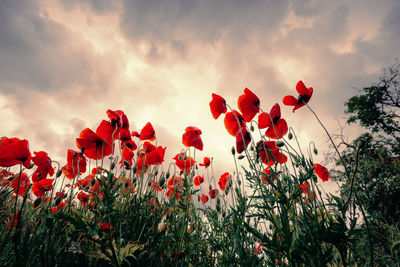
(76, 164)
(191, 137)
(124, 135)
(322, 172)
(198, 180)
(105, 227)
(270, 153)
(217, 105)
(233, 122)
(147, 133)
(213, 193)
(277, 127)
(184, 163)
(156, 156)
(83, 198)
(39, 188)
(248, 104)
(304, 96)
(204, 198)
(118, 118)
(43, 163)
(20, 183)
(97, 145)
(223, 180)
(127, 156)
(175, 184)
(14, 151)
(243, 139)
(130, 143)
(206, 162)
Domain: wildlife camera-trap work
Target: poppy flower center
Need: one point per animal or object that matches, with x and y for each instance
(275, 119)
(303, 98)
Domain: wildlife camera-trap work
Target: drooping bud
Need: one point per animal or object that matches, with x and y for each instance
(58, 174)
(233, 151)
(290, 136)
(161, 181)
(280, 143)
(315, 151)
(252, 128)
(241, 157)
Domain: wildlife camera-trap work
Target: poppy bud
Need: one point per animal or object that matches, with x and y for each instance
(58, 200)
(315, 151)
(113, 165)
(239, 182)
(185, 157)
(134, 180)
(126, 164)
(241, 157)
(252, 128)
(280, 144)
(167, 175)
(198, 198)
(149, 183)
(161, 181)
(127, 184)
(180, 157)
(218, 205)
(32, 165)
(155, 173)
(233, 151)
(210, 187)
(290, 136)
(37, 202)
(134, 169)
(58, 174)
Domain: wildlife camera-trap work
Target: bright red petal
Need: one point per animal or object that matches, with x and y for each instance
(233, 122)
(248, 104)
(217, 105)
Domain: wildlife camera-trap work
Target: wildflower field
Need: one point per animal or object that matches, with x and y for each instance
(114, 201)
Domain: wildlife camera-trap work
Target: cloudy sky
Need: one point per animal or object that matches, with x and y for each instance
(63, 63)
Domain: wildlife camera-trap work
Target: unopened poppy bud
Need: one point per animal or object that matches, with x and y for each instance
(32, 165)
(37, 202)
(280, 144)
(252, 128)
(218, 205)
(198, 198)
(149, 183)
(233, 151)
(241, 157)
(126, 184)
(58, 200)
(134, 169)
(155, 173)
(315, 151)
(210, 187)
(126, 164)
(167, 175)
(180, 157)
(58, 174)
(185, 157)
(112, 166)
(290, 136)
(239, 182)
(161, 181)
(226, 191)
